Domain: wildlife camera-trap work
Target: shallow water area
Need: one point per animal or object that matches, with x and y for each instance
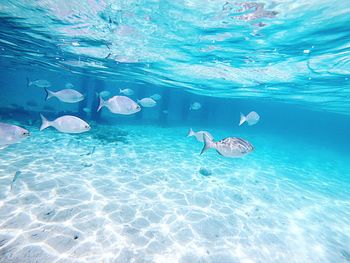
(135, 194)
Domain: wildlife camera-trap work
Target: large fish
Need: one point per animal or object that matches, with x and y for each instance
(65, 95)
(120, 105)
(10, 134)
(199, 135)
(252, 118)
(229, 147)
(66, 124)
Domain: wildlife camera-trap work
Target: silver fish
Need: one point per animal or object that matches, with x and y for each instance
(127, 92)
(65, 95)
(104, 94)
(195, 106)
(69, 85)
(10, 134)
(147, 102)
(199, 135)
(66, 124)
(41, 83)
(252, 118)
(120, 105)
(156, 96)
(229, 147)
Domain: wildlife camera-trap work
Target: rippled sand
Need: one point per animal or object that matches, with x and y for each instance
(135, 194)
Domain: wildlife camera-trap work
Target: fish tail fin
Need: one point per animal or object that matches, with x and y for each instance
(44, 123)
(102, 103)
(120, 91)
(28, 82)
(190, 133)
(49, 94)
(208, 143)
(242, 120)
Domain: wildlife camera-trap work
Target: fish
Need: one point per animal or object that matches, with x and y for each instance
(195, 106)
(10, 134)
(69, 85)
(87, 110)
(147, 102)
(199, 135)
(104, 94)
(252, 118)
(120, 105)
(14, 179)
(65, 95)
(66, 124)
(230, 147)
(165, 112)
(127, 92)
(156, 96)
(41, 83)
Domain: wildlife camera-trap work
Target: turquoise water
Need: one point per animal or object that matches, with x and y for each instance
(134, 188)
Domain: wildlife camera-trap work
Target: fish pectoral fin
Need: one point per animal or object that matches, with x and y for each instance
(3, 147)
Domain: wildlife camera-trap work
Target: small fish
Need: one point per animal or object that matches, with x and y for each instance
(41, 83)
(10, 134)
(147, 102)
(87, 110)
(32, 103)
(66, 124)
(165, 112)
(69, 85)
(127, 92)
(195, 106)
(120, 105)
(199, 135)
(156, 97)
(14, 179)
(104, 94)
(65, 95)
(229, 147)
(252, 118)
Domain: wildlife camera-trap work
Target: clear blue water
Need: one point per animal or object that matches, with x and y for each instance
(131, 189)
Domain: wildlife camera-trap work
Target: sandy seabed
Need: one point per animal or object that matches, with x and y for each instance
(135, 194)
